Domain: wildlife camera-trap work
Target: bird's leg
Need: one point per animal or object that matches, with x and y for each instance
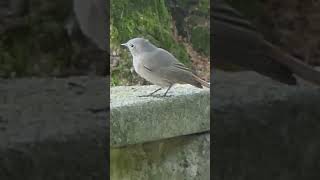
(151, 93)
(167, 90)
(154, 91)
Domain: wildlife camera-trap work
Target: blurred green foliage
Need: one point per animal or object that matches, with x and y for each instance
(200, 39)
(192, 19)
(149, 19)
(39, 46)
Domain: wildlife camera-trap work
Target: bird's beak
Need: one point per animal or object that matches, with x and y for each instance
(124, 44)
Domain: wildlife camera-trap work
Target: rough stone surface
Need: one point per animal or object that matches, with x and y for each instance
(182, 158)
(141, 119)
(48, 132)
(263, 129)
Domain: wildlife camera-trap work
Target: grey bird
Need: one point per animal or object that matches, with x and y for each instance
(160, 67)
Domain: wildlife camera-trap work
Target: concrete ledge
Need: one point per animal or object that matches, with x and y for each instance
(142, 119)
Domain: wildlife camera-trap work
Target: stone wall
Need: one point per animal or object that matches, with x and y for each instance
(160, 137)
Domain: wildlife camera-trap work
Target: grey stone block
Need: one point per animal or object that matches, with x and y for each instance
(142, 119)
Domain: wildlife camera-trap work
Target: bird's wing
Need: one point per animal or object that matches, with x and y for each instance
(180, 74)
(163, 65)
(160, 58)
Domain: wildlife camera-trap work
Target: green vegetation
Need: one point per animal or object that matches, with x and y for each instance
(39, 46)
(200, 39)
(195, 26)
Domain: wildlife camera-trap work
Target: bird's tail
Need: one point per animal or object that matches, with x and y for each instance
(298, 67)
(202, 82)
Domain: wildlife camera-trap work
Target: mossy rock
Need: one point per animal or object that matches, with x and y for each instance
(148, 19)
(192, 20)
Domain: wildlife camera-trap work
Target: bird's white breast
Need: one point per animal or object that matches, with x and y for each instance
(136, 64)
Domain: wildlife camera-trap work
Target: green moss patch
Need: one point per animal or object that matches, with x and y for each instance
(200, 41)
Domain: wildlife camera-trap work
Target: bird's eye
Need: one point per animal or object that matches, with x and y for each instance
(131, 45)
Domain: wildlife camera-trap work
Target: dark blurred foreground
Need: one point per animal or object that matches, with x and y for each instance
(53, 95)
(264, 129)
